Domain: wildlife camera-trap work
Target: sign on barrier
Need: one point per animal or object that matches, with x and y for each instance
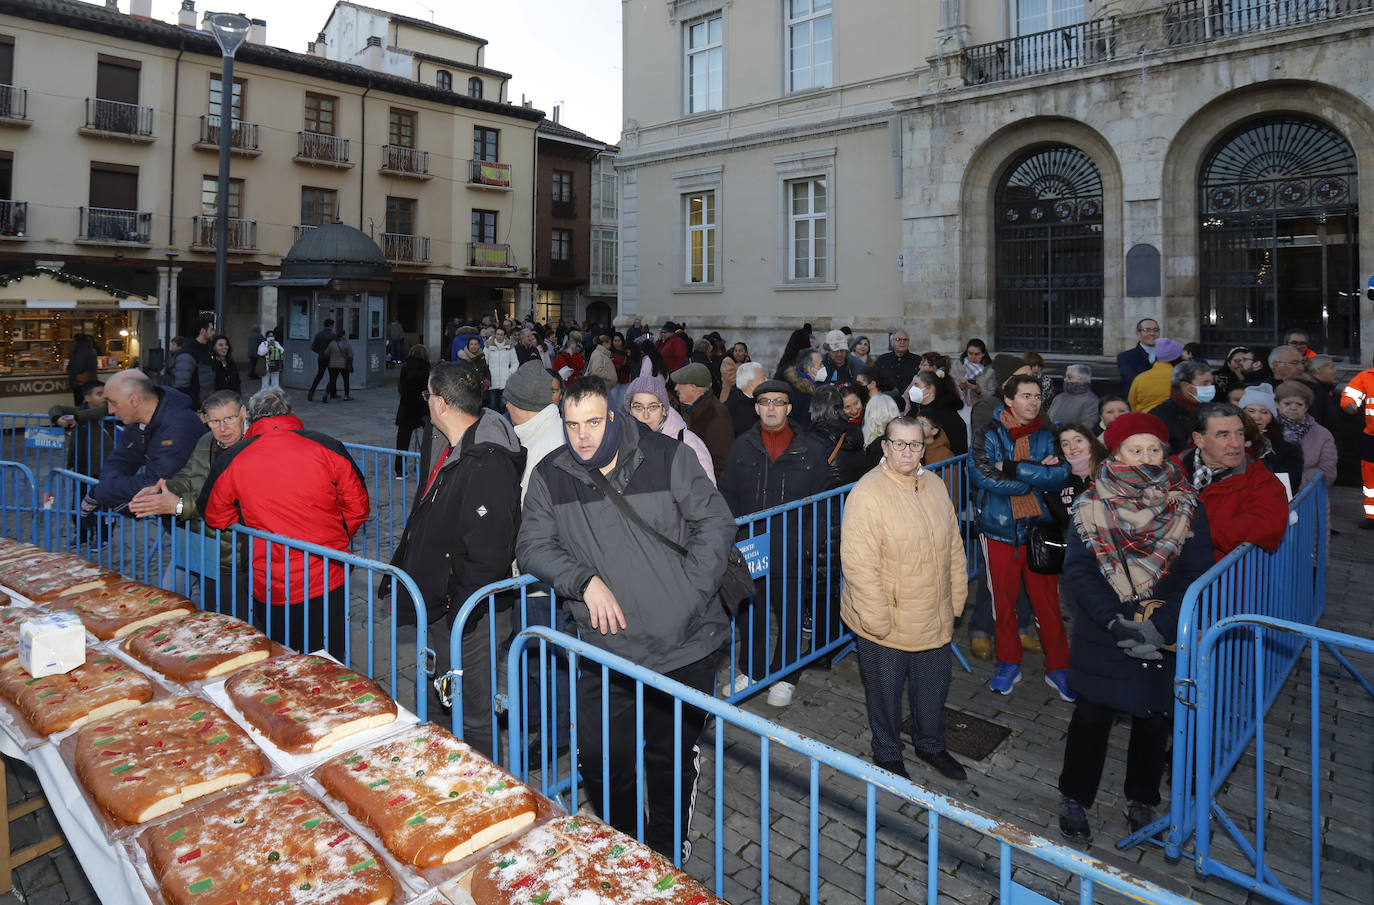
(755, 553)
(44, 438)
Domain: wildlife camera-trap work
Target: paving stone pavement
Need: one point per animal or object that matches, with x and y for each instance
(1015, 783)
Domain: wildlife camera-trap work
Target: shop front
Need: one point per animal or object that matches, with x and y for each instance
(43, 315)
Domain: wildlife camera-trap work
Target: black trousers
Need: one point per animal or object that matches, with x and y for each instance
(887, 673)
(1085, 753)
(659, 773)
(321, 368)
(285, 624)
(334, 382)
(475, 650)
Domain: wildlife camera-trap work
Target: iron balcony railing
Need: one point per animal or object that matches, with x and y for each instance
(108, 224)
(298, 231)
(491, 174)
(489, 256)
(1200, 21)
(242, 234)
(402, 248)
(1044, 51)
(321, 148)
(118, 117)
(404, 161)
(14, 102)
(242, 136)
(14, 218)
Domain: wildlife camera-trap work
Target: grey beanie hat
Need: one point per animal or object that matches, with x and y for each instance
(529, 388)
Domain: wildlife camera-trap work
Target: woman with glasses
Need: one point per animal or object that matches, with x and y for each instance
(905, 583)
(646, 399)
(1237, 370)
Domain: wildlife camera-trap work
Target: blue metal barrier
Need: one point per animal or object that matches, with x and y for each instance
(852, 792)
(1219, 686)
(32, 441)
(132, 547)
(392, 477)
(1290, 584)
(19, 512)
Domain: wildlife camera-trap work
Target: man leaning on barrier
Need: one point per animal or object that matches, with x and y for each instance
(631, 594)
(178, 496)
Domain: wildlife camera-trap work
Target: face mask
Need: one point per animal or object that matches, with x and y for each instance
(820, 375)
(914, 393)
(1205, 394)
(1075, 387)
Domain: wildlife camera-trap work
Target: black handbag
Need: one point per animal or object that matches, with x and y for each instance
(1045, 546)
(734, 585)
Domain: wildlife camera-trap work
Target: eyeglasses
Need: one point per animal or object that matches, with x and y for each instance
(904, 445)
(650, 409)
(219, 422)
(1148, 330)
(901, 339)
(771, 403)
(426, 394)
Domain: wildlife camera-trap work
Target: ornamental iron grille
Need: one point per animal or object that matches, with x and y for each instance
(1279, 237)
(1049, 253)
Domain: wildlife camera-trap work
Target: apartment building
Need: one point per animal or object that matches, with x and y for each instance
(1038, 173)
(109, 132)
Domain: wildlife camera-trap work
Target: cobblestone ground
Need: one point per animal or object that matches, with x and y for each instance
(1016, 783)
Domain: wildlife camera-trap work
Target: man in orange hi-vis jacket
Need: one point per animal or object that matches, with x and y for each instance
(1358, 398)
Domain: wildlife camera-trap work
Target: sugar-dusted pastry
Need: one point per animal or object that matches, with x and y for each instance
(198, 645)
(117, 609)
(46, 576)
(308, 703)
(155, 758)
(102, 686)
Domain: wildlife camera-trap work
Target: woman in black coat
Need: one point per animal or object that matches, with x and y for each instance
(1140, 511)
(412, 410)
(933, 396)
(226, 369)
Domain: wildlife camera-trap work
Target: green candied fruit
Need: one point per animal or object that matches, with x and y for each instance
(419, 774)
(238, 820)
(274, 856)
(550, 852)
(305, 885)
(396, 759)
(605, 885)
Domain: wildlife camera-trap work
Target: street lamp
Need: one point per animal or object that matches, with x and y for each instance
(230, 30)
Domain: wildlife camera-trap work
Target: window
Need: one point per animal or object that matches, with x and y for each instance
(603, 193)
(562, 185)
(209, 197)
(705, 59)
(318, 206)
(700, 214)
(443, 80)
(1042, 15)
(604, 247)
(400, 216)
(560, 249)
(217, 95)
(6, 59)
(401, 128)
(808, 219)
(319, 113)
(116, 79)
(548, 306)
(808, 45)
(6, 177)
(484, 226)
(475, 87)
(486, 144)
(114, 186)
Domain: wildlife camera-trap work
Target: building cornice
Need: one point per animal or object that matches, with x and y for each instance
(763, 138)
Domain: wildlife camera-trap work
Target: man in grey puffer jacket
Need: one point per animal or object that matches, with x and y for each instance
(631, 593)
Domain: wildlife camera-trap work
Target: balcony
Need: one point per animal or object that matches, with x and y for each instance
(402, 248)
(298, 231)
(489, 256)
(243, 137)
(112, 226)
(407, 163)
(1200, 21)
(562, 267)
(14, 106)
(116, 119)
(321, 149)
(1044, 51)
(243, 234)
(14, 219)
(564, 208)
(488, 174)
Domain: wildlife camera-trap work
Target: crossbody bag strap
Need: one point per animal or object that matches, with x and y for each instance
(1121, 555)
(624, 506)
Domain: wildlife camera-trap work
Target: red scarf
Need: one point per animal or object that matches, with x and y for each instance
(1027, 505)
(775, 443)
(1188, 405)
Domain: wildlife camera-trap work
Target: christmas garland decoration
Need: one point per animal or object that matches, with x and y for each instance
(62, 277)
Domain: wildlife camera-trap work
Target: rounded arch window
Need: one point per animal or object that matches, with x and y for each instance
(475, 87)
(443, 79)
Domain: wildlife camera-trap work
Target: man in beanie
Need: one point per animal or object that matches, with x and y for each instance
(1191, 386)
(633, 595)
(1141, 357)
(836, 349)
(1156, 385)
(529, 402)
(1015, 462)
(704, 413)
(672, 346)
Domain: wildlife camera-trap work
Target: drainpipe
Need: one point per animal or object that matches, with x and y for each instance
(169, 327)
(362, 153)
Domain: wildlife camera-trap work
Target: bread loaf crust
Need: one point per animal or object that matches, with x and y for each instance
(306, 703)
(102, 686)
(117, 609)
(198, 646)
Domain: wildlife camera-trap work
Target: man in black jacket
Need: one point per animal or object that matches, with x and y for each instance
(632, 595)
(773, 463)
(461, 532)
(320, 346)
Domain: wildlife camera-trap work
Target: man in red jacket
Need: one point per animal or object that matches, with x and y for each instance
(672, 346)
(286, 480)
(1245, 503)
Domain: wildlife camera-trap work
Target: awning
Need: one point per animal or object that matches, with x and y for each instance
(42, 288)
(289, 281)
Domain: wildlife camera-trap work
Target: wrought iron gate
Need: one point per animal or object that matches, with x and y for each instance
(1049, 253)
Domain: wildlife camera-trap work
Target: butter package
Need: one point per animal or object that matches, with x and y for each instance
(52, 644)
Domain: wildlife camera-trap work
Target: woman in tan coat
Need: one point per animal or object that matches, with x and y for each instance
(905, 581)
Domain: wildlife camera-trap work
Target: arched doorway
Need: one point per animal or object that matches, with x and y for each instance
(1279, 236)
(599, 313)
(1049, 253)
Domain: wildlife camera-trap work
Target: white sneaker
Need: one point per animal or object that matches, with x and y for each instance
(780, 694)
(741, 683)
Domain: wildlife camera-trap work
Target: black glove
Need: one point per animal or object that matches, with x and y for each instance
(1009, 471)
(1140, 640)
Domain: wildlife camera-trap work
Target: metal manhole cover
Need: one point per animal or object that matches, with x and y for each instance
(967, 735)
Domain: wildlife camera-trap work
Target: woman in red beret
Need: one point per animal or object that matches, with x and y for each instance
(1138, 540)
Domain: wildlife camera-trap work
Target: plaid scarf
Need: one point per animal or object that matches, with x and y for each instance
(1027, 505)
(1144, 510)
(1295, 431)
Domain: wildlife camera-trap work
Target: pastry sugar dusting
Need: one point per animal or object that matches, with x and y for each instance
(306, 703)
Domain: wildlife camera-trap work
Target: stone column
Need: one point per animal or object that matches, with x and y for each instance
(267, 302)
(167, 278)
(434, 317)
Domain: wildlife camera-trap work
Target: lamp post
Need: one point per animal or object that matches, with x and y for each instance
(230, 30)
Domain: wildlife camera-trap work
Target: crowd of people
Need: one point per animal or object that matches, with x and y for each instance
(613, 466)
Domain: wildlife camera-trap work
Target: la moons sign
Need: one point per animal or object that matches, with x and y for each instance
(40, 385)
